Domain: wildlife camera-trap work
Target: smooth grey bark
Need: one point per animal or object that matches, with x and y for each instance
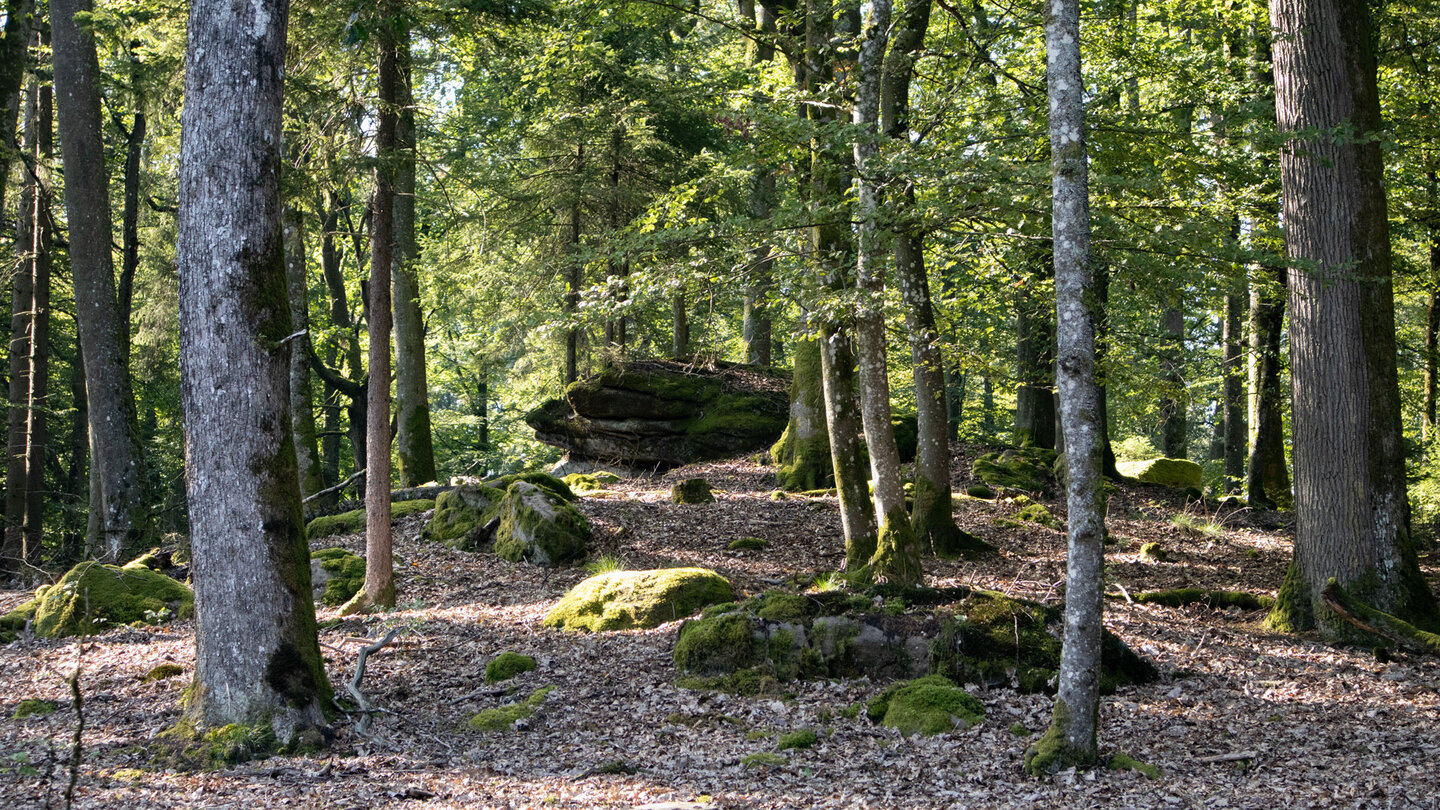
(130, 223)
(379, 588)
(680, 326)
(1432, 344)
(1071, 738)
(897, 554)
(257, 657)
(302, 401)
(123, 523)
(414, 443)
(1174, 428)
(1352, 514)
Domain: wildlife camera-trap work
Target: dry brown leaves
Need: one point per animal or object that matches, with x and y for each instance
(1311, 726)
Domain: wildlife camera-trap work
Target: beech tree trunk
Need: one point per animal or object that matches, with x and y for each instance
(1174, 430)
(1071, 738)
(21, 348)
(379, 589)
(123, 521)
(1352, 514)
(130, 224)
(302, 402)
(251, 564)
(1034, 362)
(756, 322)
(414, 443)
(1233, 393)
(574, 276)
(38, 405)
(802, 455)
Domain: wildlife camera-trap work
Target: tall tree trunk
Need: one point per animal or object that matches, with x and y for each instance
(1233, 397)
(1174, 402)
(130, 224)
(1267, 483)
(1102, 368)
(39, 372)
(680, 326)
(379, 589)
(251, 564)
(756, 324)
(414, 443)
(574, 276)
(302, 400)
(1071, 738)
(802, 455)
(114, 434)
(1432, 344)
(330, 267)
(1034, 362)
(22, 312)
(1352, 514)
(79, 476)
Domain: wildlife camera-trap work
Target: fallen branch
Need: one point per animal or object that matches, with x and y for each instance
(353, 687)
(357, 475)
(77, 739)
(1379, 623)
(1234, 756)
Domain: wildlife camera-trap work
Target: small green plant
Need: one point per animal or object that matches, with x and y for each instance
(829, 581)
(1019, 730)
(762, 759)
(604, 564)
(33, 707)
(804, 738)
(852, 711)
(1196, 525)
(1135, 448)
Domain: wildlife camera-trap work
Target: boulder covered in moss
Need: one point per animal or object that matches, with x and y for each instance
(929, 705)
(692, 490)
(507, 665)
(664, 414)
(336, 575)
(1038, 514)
(539, 527)
(591, 482)
(1178, 473)
(1026, 469)
(93, 597)
(624, 600)
(465, 517)
(967, 635)
(353, 522)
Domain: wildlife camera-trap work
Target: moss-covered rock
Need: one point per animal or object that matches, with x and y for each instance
(336, 575)
(465, 517)
(1124, 762)
(507, 665)
(13, 622)
(1037, 513)
(590, 482)
(748, 544)
(1026, 469)
(162, 672)
(93, 597)
(33, 707)
(624, 600)
(1171, 472)
(980, 491)
(353, 522)
(545, 481)
(1154, 552)
(504, 718)
(929, 705)
(692, 490)
(538, 527)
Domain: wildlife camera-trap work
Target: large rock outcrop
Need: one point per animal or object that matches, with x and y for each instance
(664, 414)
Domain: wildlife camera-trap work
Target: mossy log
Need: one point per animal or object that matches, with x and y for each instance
(1404, 634)
(664, 414)
(1180, 597)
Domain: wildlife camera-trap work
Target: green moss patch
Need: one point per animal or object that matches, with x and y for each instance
(624, 600)
(503, 718)
(590, 482)
(1154, 552)
(93, 597)
(462, 515)
(336, 575)
(1037, 513)
(1122, 762)
(692, 490)
(929, 705)
(1178, 473)
(748, 544)
(980, 491)
(33, 707)
(353, 522)
(1179, 597)
(1020, 468)
(163, 672)
(804, 738)
(507, 665)
(545, 481)
(763, 759)
(539, 527)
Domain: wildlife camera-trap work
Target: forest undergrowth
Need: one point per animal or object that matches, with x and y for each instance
(1241, 716)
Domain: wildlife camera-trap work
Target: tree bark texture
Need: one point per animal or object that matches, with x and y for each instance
(1432, 345)
(1034, 362)
(130, 224)
(1071, 739)
(1174, 429)
(257, 659)
(1352, 514)
(1233, 392)
(114, 434)
(41, 262)
(24, 335)
(302, 400)
(802, 455)
(414, 441)
(756, 324)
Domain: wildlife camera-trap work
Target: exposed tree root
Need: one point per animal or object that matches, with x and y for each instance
(1405, 635)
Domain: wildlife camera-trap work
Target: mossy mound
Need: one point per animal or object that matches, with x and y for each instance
(1171, 472)
(969, 636)
(798, 740)
(163, 672)
(186, 748)
(980, 491)
(1123, 762)
(1026, 469)
(33, 707)
(1179, 597)
(1037, 513)
(1154, 552)
(464, 517)
(336, 575)
(692, 490)
(507, 665)
(929, 705)
(748, 544)
(590, 482)
(624, 600)
(545, 481)
(353, 522)
(504, 718)
(94, 597)
(539, 527)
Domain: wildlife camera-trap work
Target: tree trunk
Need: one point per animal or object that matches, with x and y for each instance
(114, 434)
(680, 323)
(251, 565)
(21, 346)
(39, 372)
(1352, 515)
(130, 224)
(302, 402)
(756, 323)
(1034, 363)
(1174, 433)
(379, 589)
(1071, 739)
(802, 455)
(414, 443)
(1432, 345)
(574, 277)
(1233, 399)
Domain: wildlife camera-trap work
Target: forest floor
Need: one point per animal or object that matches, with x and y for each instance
(1308, 725)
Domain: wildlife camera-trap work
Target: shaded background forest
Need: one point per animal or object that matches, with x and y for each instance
(627, 180)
